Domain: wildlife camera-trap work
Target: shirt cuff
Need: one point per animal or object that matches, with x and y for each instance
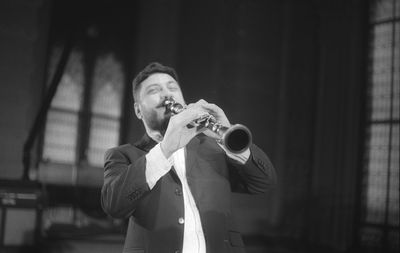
(157, 165)
(241, 157)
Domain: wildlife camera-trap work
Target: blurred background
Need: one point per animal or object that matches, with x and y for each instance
(317, 82)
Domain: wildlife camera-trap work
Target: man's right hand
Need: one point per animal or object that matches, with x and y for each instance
(178, 134)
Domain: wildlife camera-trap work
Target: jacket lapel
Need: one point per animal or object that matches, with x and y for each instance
(191, 155)
(145, 143)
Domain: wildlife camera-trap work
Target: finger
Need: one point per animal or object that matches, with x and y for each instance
(197, 103)
(200, 129)
(211, 134)
(212, 108)
(188, 116)
(190, 132)
(201, 102)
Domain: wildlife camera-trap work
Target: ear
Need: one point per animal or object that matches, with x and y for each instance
(137, 110)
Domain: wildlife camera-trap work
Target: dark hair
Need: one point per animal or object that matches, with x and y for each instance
(150, 69)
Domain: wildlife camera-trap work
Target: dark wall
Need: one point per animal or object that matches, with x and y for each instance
(24, 27)
(292, 71)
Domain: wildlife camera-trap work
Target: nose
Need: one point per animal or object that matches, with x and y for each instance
(165, 93)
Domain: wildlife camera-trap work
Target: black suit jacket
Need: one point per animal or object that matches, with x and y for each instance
(154, 214)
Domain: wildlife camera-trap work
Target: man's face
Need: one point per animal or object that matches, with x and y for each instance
(151, 96)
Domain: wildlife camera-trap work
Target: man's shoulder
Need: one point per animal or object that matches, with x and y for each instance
(124, 148)
(128, 151)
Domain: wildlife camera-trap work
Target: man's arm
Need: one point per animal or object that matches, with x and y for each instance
(125, 183)
(252, 171)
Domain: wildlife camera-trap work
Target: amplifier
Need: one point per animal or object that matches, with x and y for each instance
(20, 213)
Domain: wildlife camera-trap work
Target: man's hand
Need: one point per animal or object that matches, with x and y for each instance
(218, 114)
(178, 134)
(215, 111)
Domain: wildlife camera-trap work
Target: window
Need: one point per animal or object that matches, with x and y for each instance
(61, 129)
(380, 219)
(85, 116)
(84, 105)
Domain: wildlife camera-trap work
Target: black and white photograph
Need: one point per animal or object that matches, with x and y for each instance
(213, 126)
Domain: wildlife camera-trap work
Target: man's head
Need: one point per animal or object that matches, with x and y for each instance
(150, 88)
(150, 69)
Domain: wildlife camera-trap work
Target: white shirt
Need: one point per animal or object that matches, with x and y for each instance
(157, 165)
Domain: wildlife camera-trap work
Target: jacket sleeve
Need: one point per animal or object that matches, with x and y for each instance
(257, 175)
(124, 183)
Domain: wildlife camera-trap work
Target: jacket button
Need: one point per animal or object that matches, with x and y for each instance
(178, 192)
(181, 220)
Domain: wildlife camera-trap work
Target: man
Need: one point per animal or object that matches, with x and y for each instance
(175, 183)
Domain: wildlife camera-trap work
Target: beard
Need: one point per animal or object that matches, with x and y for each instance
(156, 122)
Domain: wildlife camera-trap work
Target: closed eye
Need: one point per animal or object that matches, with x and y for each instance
(153, 89)
(173, 86)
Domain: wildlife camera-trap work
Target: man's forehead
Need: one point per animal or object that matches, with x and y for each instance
(156, 78)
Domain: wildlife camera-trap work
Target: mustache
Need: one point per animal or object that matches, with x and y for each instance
(162, 103)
